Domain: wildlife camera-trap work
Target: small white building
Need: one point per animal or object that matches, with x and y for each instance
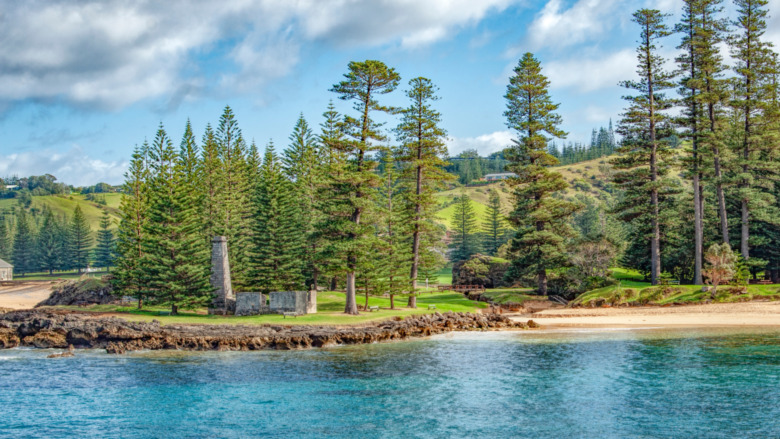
(499, 177)
(6, 271)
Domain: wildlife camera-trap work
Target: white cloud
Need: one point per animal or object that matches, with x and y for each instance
(72, 167)
(485, 144)
(592, 73)
(112, 53)
(585, 20)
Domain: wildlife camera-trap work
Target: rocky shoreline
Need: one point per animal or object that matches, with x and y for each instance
(62, 329)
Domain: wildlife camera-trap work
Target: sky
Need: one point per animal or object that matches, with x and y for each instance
(83, 82)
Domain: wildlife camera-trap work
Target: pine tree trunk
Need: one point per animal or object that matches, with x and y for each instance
(541, 278)
(698, 230)
(392, 301)
(724, 219)
(415, 257)
(334, 283)
(745, 244)
(174, 309)
(412, 302)
(351, 305)
(365, 307)
(416, 236)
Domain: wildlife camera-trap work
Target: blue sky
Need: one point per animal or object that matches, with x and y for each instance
(81, 83)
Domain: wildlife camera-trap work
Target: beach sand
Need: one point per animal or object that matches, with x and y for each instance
(24, 295)
(717, 314)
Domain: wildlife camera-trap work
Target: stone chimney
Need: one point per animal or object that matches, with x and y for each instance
(224, 302)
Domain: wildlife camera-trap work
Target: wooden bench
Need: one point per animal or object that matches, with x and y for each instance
(373, 308)
(289, 314)
(444, 287)
(431, 306)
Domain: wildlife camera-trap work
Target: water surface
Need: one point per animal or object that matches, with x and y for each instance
(594, 384)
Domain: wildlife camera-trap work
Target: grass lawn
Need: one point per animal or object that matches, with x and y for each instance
(330, 311)
(70, 275)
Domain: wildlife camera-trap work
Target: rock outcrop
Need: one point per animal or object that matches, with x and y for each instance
(89, 291)
(60, 329)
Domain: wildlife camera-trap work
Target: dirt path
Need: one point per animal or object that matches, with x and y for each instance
(24, 295)
(718, 314)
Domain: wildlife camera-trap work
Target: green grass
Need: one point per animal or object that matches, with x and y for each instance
(672, 294)
(511, 295)
(330, 311)
(70, 275)
(64, 205)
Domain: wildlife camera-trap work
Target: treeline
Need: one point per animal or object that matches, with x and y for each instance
(469, 167)
(49, 242)
(672, 203)
(731, 117)
(318, 214)
(602, 144)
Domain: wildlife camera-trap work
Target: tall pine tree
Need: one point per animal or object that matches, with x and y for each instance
(131, 277)
(493, 224)
(81, 239)
(23, 256)
(362, 84)
(106, 244)
(233, 198)
(464, 236)
(752, 102)
(542, 220)
(422, 154)
(645, 125)
(276, 249)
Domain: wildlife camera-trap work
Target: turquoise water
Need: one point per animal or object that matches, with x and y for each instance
(607, 384)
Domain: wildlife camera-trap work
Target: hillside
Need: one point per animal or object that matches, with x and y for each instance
(66, 204)
(585, 178)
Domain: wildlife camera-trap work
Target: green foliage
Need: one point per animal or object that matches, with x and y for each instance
(131, 275)
(52, 244)
(645, 154)
(277, 239)
(304, 164)
(541, 219)
(23, 256)
(106, 244)
(177, 255)
(232, 199)
(352, 179)
(493, 226)
(465, 241)
(80, 240)
(421, 157)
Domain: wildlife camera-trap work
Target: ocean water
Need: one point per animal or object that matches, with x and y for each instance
(564, 384)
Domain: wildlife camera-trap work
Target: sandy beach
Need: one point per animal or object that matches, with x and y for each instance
(24, 295)
(717, 314)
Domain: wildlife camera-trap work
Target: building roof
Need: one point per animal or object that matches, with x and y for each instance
(4, 264)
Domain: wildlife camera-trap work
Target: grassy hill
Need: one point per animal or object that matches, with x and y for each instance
(585, 178)
(66, 204)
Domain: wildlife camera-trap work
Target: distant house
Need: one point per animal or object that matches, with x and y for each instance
(499, 177)
(6, 271)
(11, 187)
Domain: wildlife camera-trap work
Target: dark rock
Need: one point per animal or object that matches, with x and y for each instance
(59, 329)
